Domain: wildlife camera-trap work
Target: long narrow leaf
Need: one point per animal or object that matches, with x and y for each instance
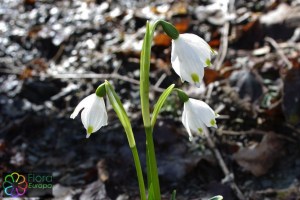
(121, 113)
(144, 76)
(173, 195)
(219, 197)
(149, 173)
(151, 193)
(160, 102)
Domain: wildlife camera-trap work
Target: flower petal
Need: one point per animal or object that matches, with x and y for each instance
(198, 44)
(82, 104)
(103, 115)
(192, 122)
(190, 54)
(84, 118)
(203, 112)
(96, 115)
(185, 122)
(175, 63)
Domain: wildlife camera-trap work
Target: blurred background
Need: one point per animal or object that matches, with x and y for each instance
(55, 53)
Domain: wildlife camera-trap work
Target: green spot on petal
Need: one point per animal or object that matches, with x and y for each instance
(207, 62)
(90, 130)
(195, 77)
(213, 122)
(200, 130)
(213, 51)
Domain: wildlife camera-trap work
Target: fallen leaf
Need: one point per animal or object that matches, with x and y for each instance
(162, 39)
(182, 24)
(26, 73)
(259, 158)
(211, 75)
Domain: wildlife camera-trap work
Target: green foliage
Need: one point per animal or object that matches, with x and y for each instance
(151, 193)
(219, 197)
(173, 195)
(159, 104)
(121, 113)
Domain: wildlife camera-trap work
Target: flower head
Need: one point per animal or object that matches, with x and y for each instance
(190, 54)
(197, 115)
(93, 115)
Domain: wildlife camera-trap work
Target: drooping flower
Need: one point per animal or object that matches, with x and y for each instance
(93, 115)
(197, 115)
(190, 54)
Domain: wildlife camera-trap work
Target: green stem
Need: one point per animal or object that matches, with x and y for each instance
(139, 172)
(152, 165)
(123, 117)
(144, 95)
(145, 70)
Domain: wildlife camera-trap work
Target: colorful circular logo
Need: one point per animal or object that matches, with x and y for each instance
(14, 185)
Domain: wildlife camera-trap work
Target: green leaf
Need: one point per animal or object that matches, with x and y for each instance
(219, 197)
(173, 195)
(121, 113)
(144, 75)
(160, 102)
(151, 193)
(149, 177)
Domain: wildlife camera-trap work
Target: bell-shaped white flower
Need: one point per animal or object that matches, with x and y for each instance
(197, 115)
(93, 115)
(190, 54)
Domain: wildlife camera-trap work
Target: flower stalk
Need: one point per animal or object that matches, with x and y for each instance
(122, 115)
(152, 172)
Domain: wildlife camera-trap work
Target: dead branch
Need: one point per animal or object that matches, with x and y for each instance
(279, 52)
(229, 177)
(87, 76)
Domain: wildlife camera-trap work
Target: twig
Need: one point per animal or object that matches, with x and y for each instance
(87, 76)
(252, 132)
(229, 177)
(209, 90)
(292, 190)
(160, 80)
(105, 76)
(59, 53)
(223, 47)
(279, 52)
(224, 39)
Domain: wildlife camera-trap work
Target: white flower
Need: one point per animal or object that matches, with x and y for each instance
(93, 115)
(197, 115)
(190, 54)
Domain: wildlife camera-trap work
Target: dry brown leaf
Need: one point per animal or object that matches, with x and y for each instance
(182, 25)
(260, 158)
(211, 75)
(26, 73)
(214, 43)
(29, 2)
(162, 39)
